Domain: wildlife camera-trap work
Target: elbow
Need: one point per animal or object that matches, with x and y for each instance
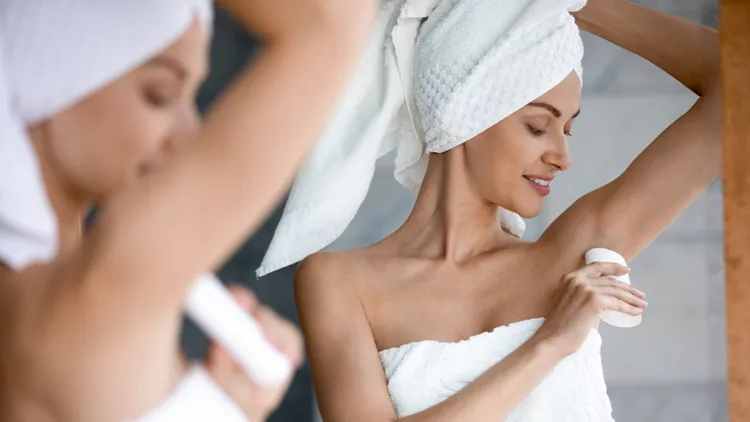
(711, 64)
(346, 13)
(344, 18)
(711, 85)
(342, 24)
(710, 106)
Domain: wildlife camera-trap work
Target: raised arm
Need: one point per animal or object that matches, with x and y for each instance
(166, 229)
(628, 213)
(117, 300)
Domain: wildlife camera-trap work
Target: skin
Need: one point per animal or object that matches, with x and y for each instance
(448, 257)
(92, 335)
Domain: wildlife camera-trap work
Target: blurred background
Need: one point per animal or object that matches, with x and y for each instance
(670, 369)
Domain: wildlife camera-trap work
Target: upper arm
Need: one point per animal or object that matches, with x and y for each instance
(628, 213)
(349, 380)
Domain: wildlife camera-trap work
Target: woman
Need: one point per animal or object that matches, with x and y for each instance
(99, 96)
(450, 318)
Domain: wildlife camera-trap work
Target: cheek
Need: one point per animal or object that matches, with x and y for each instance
(498, 159)
(488, 169)
(100, 146)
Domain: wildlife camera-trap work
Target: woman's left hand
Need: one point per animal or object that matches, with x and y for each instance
(257, 402)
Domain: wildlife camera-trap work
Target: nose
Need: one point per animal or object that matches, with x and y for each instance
(558, 155)
(186, 126)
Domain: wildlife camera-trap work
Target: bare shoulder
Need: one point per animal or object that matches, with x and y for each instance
(346, 369)
(317, 265)
(341, 270)
(333, 288)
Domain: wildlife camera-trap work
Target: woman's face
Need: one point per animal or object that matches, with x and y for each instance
(129, 126)
(512, 163)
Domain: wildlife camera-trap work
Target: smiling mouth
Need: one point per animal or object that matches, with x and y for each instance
(540, 182)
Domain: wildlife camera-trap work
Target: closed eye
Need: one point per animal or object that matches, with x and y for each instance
(534, 131)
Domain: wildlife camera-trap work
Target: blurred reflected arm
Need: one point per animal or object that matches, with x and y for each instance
(118, 301)
(189, 217)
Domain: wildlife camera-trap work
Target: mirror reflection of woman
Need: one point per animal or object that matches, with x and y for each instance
(451, 318)
(101, 94)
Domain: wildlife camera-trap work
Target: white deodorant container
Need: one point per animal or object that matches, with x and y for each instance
(211, 306)
(617, 319)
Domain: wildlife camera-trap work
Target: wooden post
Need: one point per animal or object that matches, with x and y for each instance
(735, 51)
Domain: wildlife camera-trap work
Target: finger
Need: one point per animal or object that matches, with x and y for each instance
(282, 334)
(595, 270)
(623, 295)
(219, 360)
(611, 303)
(184, 361)
(244, 297)
(605, 269)
(609, 281)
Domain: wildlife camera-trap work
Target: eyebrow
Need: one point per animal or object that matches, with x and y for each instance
(552, 109)
(171, 64)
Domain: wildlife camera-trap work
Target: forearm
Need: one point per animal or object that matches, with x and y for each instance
(494, 395)
(686, 50)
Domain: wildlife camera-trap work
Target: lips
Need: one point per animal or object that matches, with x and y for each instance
(541, 185)
(538, 181)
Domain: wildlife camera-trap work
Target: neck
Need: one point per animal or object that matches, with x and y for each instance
(69, 207)
(450, 220)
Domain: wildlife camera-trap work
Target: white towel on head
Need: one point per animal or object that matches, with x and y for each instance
(438, 73)
(54, 53)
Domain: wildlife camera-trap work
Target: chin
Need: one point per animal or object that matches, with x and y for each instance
(527, 210)
(528, 215)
